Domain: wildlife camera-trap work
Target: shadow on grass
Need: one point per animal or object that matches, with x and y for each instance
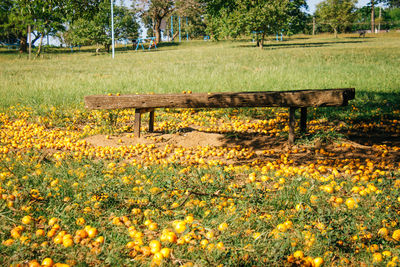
(281, 45)
(168, 44)
(366, 107)
(380, 108)
(67, 50)
(360, 38)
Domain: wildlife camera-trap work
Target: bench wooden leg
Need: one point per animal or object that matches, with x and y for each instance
(138, 118)
(303, 120)
(151, 121)
(292, 125)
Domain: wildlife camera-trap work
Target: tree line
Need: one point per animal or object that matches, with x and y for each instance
(88, 22)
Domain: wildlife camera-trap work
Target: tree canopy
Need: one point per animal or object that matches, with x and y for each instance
(88, 22)
(155, 11)
(233, 18)
(43, 16)
(79, 21)
(394, 3)
(89, 30)
(336, 13)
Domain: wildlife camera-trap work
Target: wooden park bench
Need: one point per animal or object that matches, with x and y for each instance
(292, 99)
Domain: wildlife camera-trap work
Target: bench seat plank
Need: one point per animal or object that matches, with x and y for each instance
(301, 98)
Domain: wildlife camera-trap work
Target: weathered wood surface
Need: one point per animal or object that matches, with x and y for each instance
(138, 120)
(301, 98)
(292, 124)
(303, 120)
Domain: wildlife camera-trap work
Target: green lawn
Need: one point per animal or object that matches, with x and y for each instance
(333, 199)
(63, 78)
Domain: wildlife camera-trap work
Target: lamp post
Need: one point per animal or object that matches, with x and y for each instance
(187, 33)
(172, 28)
(112, 28)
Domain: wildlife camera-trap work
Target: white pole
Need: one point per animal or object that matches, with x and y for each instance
(112, 28)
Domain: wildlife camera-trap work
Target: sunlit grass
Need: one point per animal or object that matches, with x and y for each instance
(327, 200)
(369, 64)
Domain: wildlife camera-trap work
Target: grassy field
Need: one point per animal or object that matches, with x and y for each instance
(369, 64)
(249, 199)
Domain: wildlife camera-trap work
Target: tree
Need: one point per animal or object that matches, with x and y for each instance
(297, 19)
(264, 16)
(219, 18)
(389, 20)
(196, 25)
(48, 18)
(81, 9)
(96, 29)
(373, 3)
(372, 16)
(159, 10)
(233, 18)
(43, 16)
(393, 3)
(126, 24)
(16, 15)
(336, 13)
(362, 18)
(6, 34)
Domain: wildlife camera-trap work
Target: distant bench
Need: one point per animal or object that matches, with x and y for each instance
(292, 99)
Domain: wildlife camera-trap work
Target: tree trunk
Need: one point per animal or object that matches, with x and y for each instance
(313, 25)
(372, 16)
(380, 18)
(335, 32)
(23, 44)
(40, 45)
(262, 41)
(175, 35)
(157, 30)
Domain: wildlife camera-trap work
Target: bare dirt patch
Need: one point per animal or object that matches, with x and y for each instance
(184, 139)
